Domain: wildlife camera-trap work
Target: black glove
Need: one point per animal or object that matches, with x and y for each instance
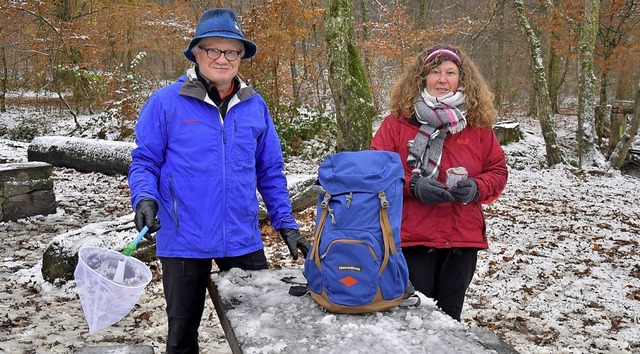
(295, 241)
(465, 190)
(428, 190)
(146, 212)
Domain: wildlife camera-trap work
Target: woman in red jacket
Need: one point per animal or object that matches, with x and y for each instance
(441, 118)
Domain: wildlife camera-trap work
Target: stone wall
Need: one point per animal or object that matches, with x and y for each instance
(26, 189)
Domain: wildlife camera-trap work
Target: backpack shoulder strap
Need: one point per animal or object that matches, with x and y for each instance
(315, 254)
(387, 234)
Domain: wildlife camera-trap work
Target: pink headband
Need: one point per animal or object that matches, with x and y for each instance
(444, 52)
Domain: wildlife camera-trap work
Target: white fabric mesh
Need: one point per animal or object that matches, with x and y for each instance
(105, 301)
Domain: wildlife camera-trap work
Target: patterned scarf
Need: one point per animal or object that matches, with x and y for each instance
(438, 116)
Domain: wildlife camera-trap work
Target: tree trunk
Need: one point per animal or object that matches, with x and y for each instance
(295, 76)
(349, 86)
(588, 154)
(554, 79)
(621, 150)
(423, 8)
(499, 60)
(363, 38)
(601, 126)
(556, 71)
(3, 79)
(543, 103)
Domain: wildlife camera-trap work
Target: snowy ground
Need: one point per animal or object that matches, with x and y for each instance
(562, 274)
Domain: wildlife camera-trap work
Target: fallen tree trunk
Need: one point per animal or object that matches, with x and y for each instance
(87, 155)
(113, 157)
(61, 256)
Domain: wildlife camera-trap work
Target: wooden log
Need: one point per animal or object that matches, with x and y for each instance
(60, 258)
(300, 192)
(87, 155)
(61, 255)
(114, 157)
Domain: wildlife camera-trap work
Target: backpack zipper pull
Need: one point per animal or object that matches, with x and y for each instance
(333, 219)
(349, 198)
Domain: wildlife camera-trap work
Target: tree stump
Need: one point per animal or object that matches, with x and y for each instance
(619, 111)
(507, 132)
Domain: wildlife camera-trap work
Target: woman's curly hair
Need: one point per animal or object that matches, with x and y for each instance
(478, 101)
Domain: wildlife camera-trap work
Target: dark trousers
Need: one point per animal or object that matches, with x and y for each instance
(442, 274)
(185, 283)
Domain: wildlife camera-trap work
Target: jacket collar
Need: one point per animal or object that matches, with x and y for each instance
(192, 87)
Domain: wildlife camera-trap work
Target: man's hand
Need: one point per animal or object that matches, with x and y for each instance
(146, 212)
(295, 241)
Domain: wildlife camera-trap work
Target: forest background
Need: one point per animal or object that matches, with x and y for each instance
(552, 60)
(105, 57)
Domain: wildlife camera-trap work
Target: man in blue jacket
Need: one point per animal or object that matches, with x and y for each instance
(204, 145)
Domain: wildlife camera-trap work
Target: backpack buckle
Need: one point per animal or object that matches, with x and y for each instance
(325, 200)
(384, 203)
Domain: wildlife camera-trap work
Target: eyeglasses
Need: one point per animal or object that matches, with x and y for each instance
(214, 53)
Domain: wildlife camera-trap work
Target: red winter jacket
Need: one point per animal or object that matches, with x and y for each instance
(450, 224)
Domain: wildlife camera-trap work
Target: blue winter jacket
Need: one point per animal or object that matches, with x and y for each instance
(204, 171)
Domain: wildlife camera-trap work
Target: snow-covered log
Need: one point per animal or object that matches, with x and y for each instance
(61, 256)
(88, 155)
(114, 157)
(300, 192)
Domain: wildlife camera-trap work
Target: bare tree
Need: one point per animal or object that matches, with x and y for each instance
(542, 101)
(558, 64)
(3, 78)
(349, 86)
(499, 59)
(588, 154)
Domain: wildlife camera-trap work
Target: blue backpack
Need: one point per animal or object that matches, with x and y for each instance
(356, 264)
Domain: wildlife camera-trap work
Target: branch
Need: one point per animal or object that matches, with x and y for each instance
(54, 28)
(75, 116)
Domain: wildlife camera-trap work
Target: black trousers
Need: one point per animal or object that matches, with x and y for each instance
(185, 285)
(442, 274)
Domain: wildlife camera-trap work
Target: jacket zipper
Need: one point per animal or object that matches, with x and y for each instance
(224, 184)
(174, 202)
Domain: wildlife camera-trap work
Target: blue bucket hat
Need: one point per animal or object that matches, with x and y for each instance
(220, 23)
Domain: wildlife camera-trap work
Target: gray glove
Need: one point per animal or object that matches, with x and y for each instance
(146, 212)
(428, 190)
(295, 241)
(465, 190)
